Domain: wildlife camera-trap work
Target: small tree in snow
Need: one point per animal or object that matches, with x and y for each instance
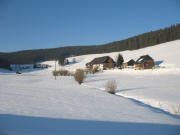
(79, 75)
(120, 60)
(111, 86)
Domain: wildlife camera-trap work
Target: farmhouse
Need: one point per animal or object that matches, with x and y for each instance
(130, 63)
(144, 62)
(102, 63)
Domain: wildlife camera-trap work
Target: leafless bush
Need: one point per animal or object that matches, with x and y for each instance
(55, 73)
(92, 70)
(79, 75)
(95, 70)
(61, 72)
(111, 86)
(86, 71)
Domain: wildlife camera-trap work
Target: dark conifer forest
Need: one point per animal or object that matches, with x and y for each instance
(140, 41)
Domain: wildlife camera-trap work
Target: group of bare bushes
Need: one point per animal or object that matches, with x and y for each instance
(61, 72)
(80, 74)
(91, 70)
(110, 86)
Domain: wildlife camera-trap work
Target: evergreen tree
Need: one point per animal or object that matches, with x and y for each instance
(120, 60)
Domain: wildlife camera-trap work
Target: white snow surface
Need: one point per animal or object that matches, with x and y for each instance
(158, 87)
(34, 103)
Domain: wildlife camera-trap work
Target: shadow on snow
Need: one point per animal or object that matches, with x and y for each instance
(153, 109)
(131, 89)
(26, 125)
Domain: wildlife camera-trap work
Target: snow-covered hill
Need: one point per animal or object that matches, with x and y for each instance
(158, 88)
(168, 52)
(34, 103)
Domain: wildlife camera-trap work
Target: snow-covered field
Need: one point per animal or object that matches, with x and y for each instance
(158, 87)
(34, 103)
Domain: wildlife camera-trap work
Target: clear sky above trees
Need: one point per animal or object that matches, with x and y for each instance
(32, 24)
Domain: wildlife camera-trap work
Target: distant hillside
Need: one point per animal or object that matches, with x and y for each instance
(144, 40)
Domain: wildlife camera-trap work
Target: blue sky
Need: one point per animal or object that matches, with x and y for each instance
(34, 24)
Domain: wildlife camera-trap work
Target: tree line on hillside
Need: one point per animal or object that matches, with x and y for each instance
(144, 40)
(4, 63)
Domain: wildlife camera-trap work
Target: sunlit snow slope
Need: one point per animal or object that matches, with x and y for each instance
(158, 87)
(34, 103)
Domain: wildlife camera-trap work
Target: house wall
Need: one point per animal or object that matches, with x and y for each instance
(149, 65)
(139, 66)
(145, 65)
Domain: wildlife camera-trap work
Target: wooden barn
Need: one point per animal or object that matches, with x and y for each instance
(102, 63)
(144, 62)
(129, 64)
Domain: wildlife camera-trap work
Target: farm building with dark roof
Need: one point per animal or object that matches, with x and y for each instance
(103, 63)
(144, 62)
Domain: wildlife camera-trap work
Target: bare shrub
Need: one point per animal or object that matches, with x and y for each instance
(86, 71)
(61, 72)
(91, 70)
(95, 70)
(111, 86)
(55, 73)
(79, 75)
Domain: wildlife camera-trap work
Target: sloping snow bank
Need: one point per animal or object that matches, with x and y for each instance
(157, 90)
(161, 84)
(38, 94)
(168, 52)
